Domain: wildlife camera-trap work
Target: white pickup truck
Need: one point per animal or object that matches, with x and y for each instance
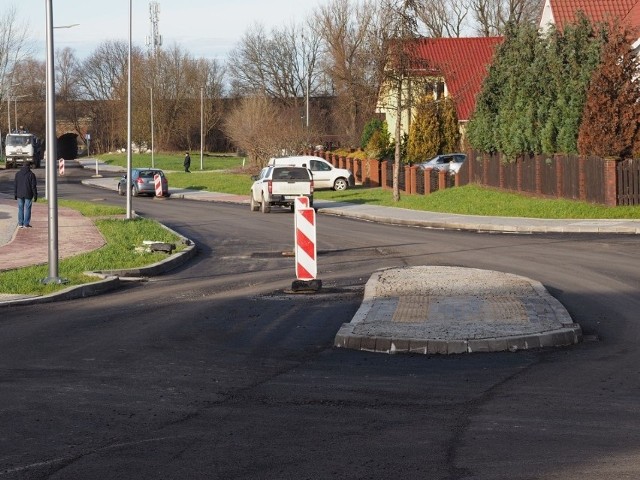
(280, 186)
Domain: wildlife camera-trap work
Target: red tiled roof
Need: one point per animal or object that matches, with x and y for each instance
(566, 11)
(633, 17)
(462, 62)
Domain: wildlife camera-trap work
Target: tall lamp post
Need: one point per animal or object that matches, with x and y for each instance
(129, 196)
(152, 146)
(201, 126)
(52, 188)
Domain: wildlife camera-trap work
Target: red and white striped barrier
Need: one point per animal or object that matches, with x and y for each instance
(61, 166)
(157, 180)
(305, 238)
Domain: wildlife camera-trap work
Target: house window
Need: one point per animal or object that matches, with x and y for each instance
(435, 88)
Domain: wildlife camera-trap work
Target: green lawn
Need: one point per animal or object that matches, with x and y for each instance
(469, 200)
(173, 161)
(119, 252)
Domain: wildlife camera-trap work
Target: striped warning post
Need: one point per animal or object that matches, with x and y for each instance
(157, 180)
(61, 166)
(305, 227)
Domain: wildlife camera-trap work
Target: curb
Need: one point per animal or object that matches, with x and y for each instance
(556, 338)
(108, 283)
(487, 227)
(379, 336)
(111, 279)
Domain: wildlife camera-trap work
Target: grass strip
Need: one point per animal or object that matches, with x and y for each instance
(122, 237)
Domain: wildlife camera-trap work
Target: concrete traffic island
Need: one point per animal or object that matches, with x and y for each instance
(447, 310)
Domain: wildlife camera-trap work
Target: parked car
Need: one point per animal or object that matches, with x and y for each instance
(143, 182)
(325, 175)
(280, 185)
(450, 162)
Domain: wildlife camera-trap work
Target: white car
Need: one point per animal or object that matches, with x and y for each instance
(325, 175)
(450, 162)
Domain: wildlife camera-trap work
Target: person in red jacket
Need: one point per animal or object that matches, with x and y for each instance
(25, 192)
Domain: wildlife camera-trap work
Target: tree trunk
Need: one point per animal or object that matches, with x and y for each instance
(398, 135)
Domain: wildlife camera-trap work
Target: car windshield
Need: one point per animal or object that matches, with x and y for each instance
(18, 140)
(290, 174)
(150, 173)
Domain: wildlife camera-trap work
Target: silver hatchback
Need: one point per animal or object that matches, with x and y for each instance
(143, 182)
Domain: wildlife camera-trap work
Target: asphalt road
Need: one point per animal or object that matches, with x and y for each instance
(213, 371)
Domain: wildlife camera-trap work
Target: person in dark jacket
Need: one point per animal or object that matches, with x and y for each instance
(25, 192)
(187, 162)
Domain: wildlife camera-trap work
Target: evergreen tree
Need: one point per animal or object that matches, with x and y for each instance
(481, 132)
(513, 117)
(533, 97)
(580, 56)
(425, 134)
(449, 126)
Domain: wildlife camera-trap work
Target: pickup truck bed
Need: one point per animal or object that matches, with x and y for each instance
(280, 186)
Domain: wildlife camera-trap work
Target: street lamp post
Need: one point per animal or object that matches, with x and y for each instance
(52, 194)
(152, 146)
(201, 126)
(129, 196)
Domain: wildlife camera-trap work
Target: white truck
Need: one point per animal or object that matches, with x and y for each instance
(280, 186)
(20, 147)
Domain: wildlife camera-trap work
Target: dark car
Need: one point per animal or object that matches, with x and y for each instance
(450, 162)
(143, 182)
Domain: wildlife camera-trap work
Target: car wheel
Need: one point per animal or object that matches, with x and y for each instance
(254, 205)
(121, 189)
(264, 206)
(134, 191)
(340, 184)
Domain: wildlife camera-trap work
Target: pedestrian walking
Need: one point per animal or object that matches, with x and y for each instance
(25, 192)
(187, 162)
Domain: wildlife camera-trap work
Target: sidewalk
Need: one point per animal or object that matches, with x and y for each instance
(470, 311)
(30, 246)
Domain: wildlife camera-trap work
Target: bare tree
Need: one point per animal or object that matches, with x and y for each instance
(443, 18)
(261, 128)
(278, 65)
(354, 36)
(67, 74)
(102, 88)
(29, 93)
(492, 16)
(181, 86)
(13, 48)
(402, 62)
(213, 91)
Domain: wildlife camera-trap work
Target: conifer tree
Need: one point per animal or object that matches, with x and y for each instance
(449, 126)
(425, 134)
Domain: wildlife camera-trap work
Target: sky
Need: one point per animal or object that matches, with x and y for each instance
(205, 28)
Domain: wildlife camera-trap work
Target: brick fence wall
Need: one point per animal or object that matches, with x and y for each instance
(591, 179)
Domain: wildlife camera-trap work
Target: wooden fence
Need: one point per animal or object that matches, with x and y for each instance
(589, 179)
